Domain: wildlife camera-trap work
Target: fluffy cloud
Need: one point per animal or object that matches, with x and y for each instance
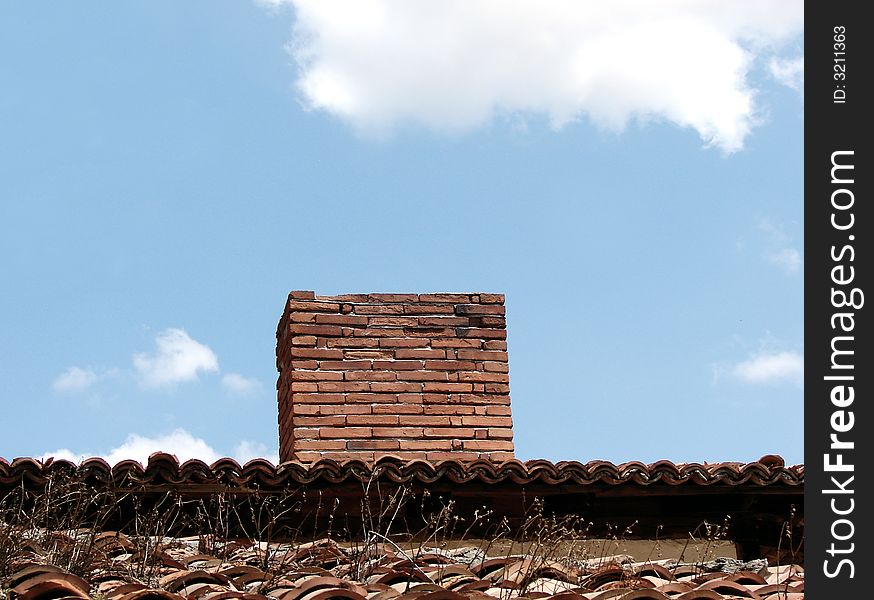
(238, 385)
(179, 442)
(773, 367)
(178, 358)
(779, 250)
(789, 71)
(457, 64)
(75, 379)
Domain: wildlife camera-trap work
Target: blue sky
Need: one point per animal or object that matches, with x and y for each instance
(628, 175)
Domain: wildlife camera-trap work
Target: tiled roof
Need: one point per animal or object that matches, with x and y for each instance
(165, 469)
(183, 568)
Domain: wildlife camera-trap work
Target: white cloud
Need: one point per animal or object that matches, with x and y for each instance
(75, 379)
(457, 64)
(238, 385)
(773, 367)
(788, 259)
(788, 71)
(179, 442)
(178, 358)
(246, 451)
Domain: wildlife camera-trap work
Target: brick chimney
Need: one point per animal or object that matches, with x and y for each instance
(411, 375)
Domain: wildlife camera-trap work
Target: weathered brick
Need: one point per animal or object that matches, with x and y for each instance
(302, 295)
(351, 342)
(350, 320)
(319, 421)
(345, 409)
(475, 332)
(479, 309)
(449, 432)
(456, 343)
(303, 340)
(424, 376)
(449, 365)
(443, 298)
(440, 386)
(304, 386)
(497, 388)
(345, 365)
(319, 330)
(318, 376)
(487, 355)
(426, 353)
(381, 420)
(491, 298)
(392, 322)
(486, 445)
(429, 309)
(345, 432)
(433, 444)
(395, 432)
(397, 365)
(500, 433)
(497, 367)
(402, 342)
(317, 398)
(495, 345)
(484, 377)
(370, 376)
(451, 409)
(372, 398)
(320, 444)
(367, 354)
(373, 445)
(397, 409)
(344, 386)
(487, 421)
(379, 309)
(379, 386)
(322, 353)
(452, 455)
(430, 421)
(498, 410)
(442, 322)
(304, 306)
(392, 298)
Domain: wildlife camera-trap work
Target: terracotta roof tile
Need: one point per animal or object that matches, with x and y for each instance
(163, 468)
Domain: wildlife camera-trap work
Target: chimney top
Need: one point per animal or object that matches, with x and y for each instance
(418, 376)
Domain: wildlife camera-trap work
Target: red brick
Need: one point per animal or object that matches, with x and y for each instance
(474, 332)
(392, 322)
(486, 445)
(372, 398)
(449, 432)
(479, 309)
(370, 376)
(353, 342)
(345, 365)
(456, 343)
(373, 445)
(452, 409)
(397, 365)
(432, 309)
(318, 376)
(443, 322)
(393, 432)
(376, 333)
(498, 456)
(483, 377)
(319, 421)
(500, 433)
(349, 320)
(429, 332)
(345, 432)
(345, 298)
(382, 420)
(379, 309)
(305, 409)
(424, 353)
(445, 298)
(379, 386)
(302, 295)
(488, 355)
(453, 456)
(487, 421)
(304, 364)
(300, 386)
(303, 340)
(498, 410)
(320, 444)
(317, 398)
(491, 298)
(424, 376)
(345, 409)
(481, 399)
(344, 386)
(498, 367)
(495, 345)
(307, 329)
(397, 409)
(306, 433)
(449, 365)
(389, 298)
(497, 388)
(367, 354)
(434, 444)
(439, 386)
(322, 353)
(489, 322)
(303, 317)
(304, 306)
(430, 421)
(402, 343)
